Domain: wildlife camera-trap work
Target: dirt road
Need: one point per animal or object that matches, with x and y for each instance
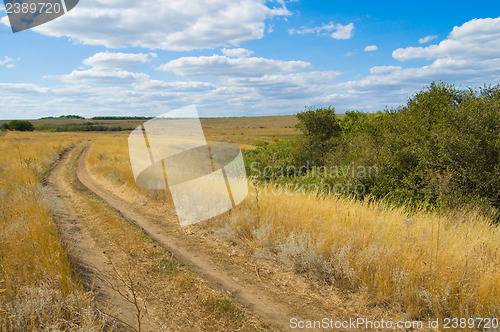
(92, 265)
(240, 280)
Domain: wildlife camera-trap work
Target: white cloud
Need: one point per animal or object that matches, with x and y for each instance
(167, 25)
(371, 48)
(98, 75)
(477, 39)
(118, 60)
(468, 57)
(217, 65)
(343, 31)
(336, 31)
(23, 88)
(427, 39)
(379, 70)
(237, 52)
(178, 86)
(7, 62)
(108, 69)
(251, 85)
(288, 86)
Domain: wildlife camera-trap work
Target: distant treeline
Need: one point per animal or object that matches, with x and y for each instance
(99, 117)
(87, 126)
(121, 118)
(63, 117)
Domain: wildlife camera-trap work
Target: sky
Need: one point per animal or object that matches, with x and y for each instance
(243, 57)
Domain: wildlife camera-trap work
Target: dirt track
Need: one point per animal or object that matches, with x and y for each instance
(92, 265)
(240, 282)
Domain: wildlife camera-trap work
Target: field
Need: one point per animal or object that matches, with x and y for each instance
(425, 263)
(37, 284)
(279, 254)
(245, 130)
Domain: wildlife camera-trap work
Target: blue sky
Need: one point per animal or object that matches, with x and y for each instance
(243, 57)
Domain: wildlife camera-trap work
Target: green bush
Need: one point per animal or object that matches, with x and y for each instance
(319, 126)
(260, 142)
(441, 150)
(21, 125)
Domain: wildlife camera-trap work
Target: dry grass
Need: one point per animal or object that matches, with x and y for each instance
(424, 264)
(37, 288)
(429, 265)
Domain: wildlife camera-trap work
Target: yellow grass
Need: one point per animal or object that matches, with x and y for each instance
(424, 264)
(37, 288)
(429, 265)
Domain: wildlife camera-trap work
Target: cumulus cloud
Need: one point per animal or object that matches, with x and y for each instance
(237, 52)
(240, 84)
(167, 25)
(102, 76)
(427, 39)
(378, 70)
(118, 60)
(371, 48)
(217, 65)
(469, 56)
(177, 86)
(335, 31)
(23, 88)
(108, 69)
(477, 39)
(287, 86)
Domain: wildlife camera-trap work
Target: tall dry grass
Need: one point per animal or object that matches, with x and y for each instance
(428, 265)
(38, 290)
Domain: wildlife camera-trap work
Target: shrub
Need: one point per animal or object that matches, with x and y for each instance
(439, 150)
(21, 125)
(260, 142)
(319, 126)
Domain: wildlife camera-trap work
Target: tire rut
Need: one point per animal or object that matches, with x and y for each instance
(255, 298)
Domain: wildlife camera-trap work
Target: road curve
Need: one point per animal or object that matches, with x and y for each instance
(257, 299)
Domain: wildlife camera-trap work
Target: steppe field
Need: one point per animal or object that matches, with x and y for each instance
(83, 248)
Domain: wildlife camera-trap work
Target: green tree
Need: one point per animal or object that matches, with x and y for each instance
(21, 125)
(319, 126)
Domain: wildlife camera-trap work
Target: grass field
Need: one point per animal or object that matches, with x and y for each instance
(38, 288)
(243, 130)
(424, 264)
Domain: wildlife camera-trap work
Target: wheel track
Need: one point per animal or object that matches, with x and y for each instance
(94, 268)
(258, 300)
